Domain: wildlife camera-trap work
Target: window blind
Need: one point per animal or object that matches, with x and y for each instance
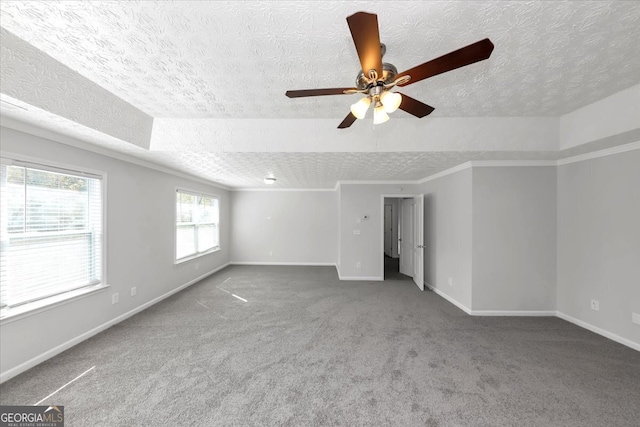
(197, 224)
(51, 232)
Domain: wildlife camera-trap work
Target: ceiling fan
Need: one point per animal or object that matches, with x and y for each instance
(377, 78)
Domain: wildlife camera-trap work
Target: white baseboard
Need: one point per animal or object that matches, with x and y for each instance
(489, 312)
(530, 313)
(449, 298)
(10, 373)
(361, 278)
(617, 338)
(308, 264)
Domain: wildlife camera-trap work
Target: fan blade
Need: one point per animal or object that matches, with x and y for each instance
(458, 58)
(318, 92)
(366, 37)
(348, 121)
(415, 107)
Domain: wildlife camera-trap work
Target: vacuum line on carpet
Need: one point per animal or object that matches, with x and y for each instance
(76, 378)
(202, 304)
(240, 298)
(223, 289)
(227, 279)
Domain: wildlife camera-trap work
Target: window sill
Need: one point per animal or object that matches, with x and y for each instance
(9, 315)
(192, 257)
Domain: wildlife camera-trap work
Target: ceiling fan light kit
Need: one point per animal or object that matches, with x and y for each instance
(376, 78)
(359, 109)
(390, 101)
(379, 114)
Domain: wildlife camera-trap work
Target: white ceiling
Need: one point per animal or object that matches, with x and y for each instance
(235, 60)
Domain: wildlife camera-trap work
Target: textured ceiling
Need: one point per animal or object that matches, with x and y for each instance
(234, 60)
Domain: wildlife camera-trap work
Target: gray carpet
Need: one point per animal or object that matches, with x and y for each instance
(307, 349)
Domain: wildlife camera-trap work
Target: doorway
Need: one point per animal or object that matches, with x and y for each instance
(402, 240)
(391, 245)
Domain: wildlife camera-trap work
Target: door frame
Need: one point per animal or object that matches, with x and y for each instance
(384, 219)
(382, 197)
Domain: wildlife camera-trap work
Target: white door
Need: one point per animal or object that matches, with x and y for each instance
(388, 232)
(418, 247)
(406, 237)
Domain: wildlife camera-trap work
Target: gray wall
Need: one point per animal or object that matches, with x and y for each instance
(599, 242)
(140, 248)
(447, 234)
(514, 238)
(356, 201)
(294, 226)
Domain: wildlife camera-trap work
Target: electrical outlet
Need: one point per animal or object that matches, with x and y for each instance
(595, 305)
(450, 281)
(358, 265)
(115, 298)
(134, 291)
(635, 318)
(197, 265)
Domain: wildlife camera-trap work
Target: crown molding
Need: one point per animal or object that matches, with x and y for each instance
(374, 182)
(40, 132)
(601, 153)
(512, 163)
(24, 127)
(460, 167)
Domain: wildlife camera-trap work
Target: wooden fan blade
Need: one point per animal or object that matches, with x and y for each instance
(458, 58)
(366, 37)
(415, 107)
(348, 121)
(318, 92)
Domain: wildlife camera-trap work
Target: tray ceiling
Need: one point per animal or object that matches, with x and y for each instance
(231, 61)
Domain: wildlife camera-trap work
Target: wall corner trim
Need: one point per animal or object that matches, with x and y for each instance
(617, 338)
(10, 373)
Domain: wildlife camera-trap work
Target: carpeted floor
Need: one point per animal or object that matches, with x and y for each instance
(392, 269)
(307, 349)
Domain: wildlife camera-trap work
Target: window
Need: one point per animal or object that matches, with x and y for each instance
(197, 224)
(51, 232)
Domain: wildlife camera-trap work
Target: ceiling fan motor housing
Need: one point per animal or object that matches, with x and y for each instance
(389, 72)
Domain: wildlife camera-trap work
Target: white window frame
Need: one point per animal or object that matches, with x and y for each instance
(175, 226)
(11, 314)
